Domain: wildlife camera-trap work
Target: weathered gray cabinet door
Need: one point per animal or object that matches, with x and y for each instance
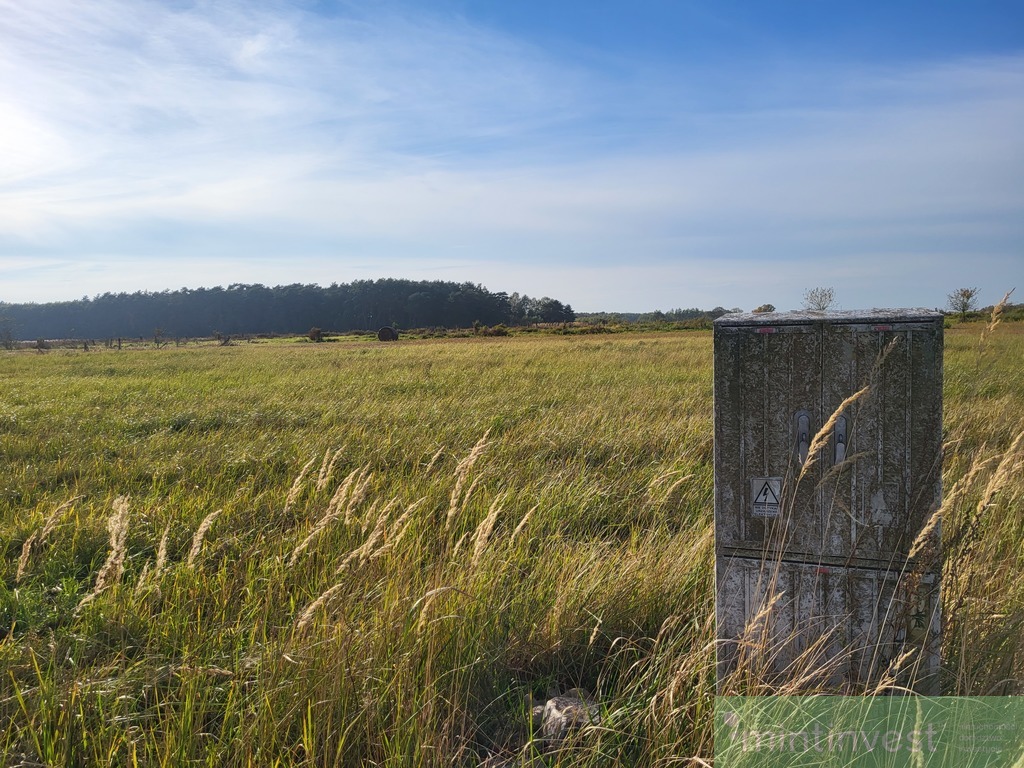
(837, 523)
(763, 380)
(883, 492)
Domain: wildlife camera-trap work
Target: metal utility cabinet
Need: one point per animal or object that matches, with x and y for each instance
(813, 537)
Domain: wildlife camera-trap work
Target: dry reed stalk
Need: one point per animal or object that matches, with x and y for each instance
(326, 468)
(357, 494)
(957, 580)
(825, 432)
(961, 486)
(1005, 471)
(459, 543)
(666, 497)
(307, 615)
(341, 493)
(523, 522)
(38, 538)
(161, 552)
(460, 505)
(26, 554)
(54, 518)
(427, 601)
(143, 577)
(200, 534)
(349, 494)
(153, 571)
(366, 550)
(433, 461)
(378, 532)
(405, 520)
(753, 645)
(923, 540)
(117, 528)
(994, 321)
(296, 488)
(887, 682)
(977, 465)
(815, 665)
(353, 488)
(484, 530)
(657, 482)
(323, 469)
(461, 473)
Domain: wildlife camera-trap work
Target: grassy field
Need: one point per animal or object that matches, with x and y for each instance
(368, 554)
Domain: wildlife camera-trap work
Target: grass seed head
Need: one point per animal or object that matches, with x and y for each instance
(484, 530)
(306, 619)
(296, 489)
(110, 573)
(458, 500)
(200, 534)
(26, 555)
(38, 538)
(327, 469)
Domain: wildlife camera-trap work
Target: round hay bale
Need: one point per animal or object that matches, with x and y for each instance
(387, 333)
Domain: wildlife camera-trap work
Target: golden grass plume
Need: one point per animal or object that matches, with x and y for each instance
(484, 530)
(374, 540)
(306, 618)
(994, 321)
(111, 571)
(296, 489)
(327, 468)
(200, 534)
(348, 495)
(38, 538)
(458, 499)
(824, 434)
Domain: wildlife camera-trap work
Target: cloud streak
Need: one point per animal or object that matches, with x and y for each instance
(258, 132)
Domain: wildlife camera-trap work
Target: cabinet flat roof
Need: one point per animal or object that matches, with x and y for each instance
(802, 316)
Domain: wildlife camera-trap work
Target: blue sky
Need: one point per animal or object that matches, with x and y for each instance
(620, 156)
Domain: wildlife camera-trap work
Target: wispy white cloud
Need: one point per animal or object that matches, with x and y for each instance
(134, 129)
(117, 104)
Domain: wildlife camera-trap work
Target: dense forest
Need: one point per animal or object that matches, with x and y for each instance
(254, 309)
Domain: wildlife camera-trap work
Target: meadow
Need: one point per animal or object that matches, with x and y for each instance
(298, 554)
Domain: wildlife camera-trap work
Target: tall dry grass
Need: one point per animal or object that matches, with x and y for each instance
(113, 568)
(325, 631)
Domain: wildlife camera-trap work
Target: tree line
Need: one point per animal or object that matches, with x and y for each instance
(258, 309)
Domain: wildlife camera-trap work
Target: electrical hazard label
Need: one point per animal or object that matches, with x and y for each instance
(765, 493)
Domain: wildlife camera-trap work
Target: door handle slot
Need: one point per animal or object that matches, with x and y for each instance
(839, 439)
(802, 435)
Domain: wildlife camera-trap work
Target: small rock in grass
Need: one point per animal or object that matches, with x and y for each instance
(566, 713)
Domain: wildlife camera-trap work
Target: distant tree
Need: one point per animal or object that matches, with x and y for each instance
(962, 301)
(819, 299)
(243, 309)
(548, 310)
(683, 314)
(6, 333)
(315, 334)
(764, 308)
